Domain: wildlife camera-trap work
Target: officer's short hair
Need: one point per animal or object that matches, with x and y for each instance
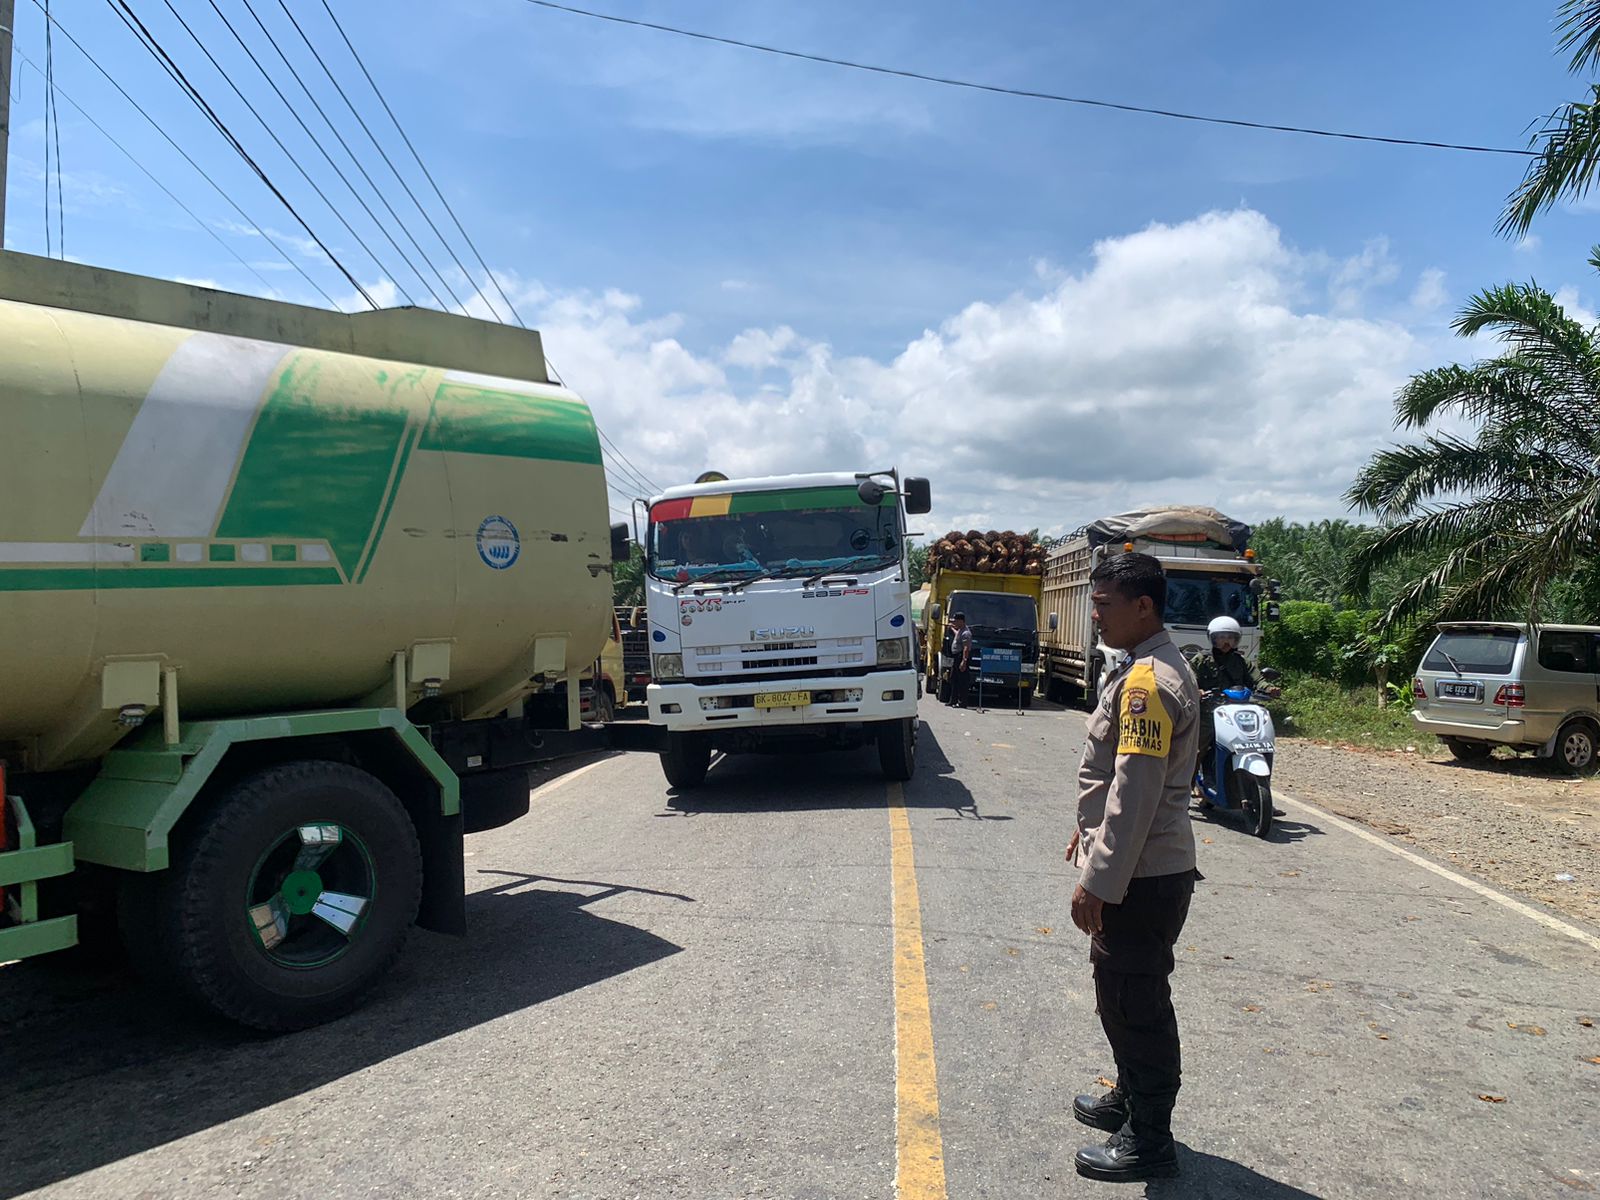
(958, 616)
(1134, 575)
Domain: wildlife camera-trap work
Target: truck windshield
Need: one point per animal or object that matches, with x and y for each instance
(1480, 651)
(788, 541)
(1196, 599)
(993, 610)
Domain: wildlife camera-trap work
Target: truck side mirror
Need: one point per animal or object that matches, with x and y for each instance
(1258, 585)
(1054, 622)
(919, 497)
(621, 544)
(871, 492)
(936, 613)
(1273, 612)
(1274, 589)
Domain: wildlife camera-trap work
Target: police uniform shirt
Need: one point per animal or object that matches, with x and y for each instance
(1133, 785)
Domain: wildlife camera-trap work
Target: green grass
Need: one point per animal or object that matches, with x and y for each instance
(1322, 710)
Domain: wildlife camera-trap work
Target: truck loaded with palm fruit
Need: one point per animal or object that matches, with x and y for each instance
(283, 595)
(993, 579)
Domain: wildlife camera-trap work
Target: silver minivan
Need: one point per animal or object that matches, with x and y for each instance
(1497, 683)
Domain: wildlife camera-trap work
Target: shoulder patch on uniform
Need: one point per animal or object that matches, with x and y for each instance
(1143, 724)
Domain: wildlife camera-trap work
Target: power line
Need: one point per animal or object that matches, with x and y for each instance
(338, 87)
(52, 121)
(148, 41)
(129, 155)
(287, 153)
(315, 141)
(429, 174)
(217, 187)
(1025, 93)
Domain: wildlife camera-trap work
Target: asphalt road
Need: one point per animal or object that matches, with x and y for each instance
(700, 995)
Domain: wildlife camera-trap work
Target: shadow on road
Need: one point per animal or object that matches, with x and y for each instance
(1207, 1177)
(1283, 832)
(828, 779)
(151, 1073)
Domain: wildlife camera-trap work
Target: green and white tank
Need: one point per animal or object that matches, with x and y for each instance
(276, 523)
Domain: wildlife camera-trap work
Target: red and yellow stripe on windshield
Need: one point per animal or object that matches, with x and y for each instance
(789, 500)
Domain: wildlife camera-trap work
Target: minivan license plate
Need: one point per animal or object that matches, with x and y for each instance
(1453, 689)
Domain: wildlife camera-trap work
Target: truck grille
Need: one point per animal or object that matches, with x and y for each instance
(828, 654)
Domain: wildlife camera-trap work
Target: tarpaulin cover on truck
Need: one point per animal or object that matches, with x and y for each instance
(1184, 525)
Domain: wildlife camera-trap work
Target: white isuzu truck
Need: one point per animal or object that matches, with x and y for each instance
(780, 618)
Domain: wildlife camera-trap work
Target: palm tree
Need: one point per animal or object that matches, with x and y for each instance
(1567, 145)
(1506, 513)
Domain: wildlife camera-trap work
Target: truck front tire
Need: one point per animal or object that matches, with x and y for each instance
(686, 759)
(291, 899)
(897, 748)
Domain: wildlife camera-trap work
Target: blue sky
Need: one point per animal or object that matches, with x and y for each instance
(755, 263)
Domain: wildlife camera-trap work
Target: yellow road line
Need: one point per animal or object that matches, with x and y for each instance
(919, 1151)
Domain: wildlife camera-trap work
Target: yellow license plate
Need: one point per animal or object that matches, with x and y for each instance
(783, 699)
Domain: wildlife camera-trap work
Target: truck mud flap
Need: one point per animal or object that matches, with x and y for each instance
(636, 735)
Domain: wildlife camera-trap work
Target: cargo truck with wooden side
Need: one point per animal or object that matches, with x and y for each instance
(282, 593)
(995, 580)
(1211, 572)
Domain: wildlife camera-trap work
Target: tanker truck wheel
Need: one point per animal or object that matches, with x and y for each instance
(686, 759)
(293, 898)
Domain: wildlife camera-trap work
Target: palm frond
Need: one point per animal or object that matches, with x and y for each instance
(1578, 23)
(1568, 158)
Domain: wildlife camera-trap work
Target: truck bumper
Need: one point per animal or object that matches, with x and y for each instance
(880, 696)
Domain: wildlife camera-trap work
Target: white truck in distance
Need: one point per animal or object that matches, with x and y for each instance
(780, 618)
(1210, 570)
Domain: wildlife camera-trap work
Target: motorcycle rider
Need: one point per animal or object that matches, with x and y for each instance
(1223, 668)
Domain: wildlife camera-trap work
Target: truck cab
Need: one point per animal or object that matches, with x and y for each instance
(1005, 641)
(780, 617)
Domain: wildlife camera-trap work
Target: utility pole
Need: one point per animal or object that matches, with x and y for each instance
(7, 15)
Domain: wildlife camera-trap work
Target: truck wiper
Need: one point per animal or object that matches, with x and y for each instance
(720, 575)
(860, 563)
(1455, 666)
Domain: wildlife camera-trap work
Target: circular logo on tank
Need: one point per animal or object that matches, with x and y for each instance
(498, 543)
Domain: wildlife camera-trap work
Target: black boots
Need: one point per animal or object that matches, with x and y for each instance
(1108, 1112)
(1126, 1157)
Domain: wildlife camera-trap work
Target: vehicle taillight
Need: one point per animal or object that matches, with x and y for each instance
(1510, 695)
(1417, 690)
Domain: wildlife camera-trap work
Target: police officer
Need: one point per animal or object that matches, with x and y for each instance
(1135, 849)
(1223, 668)
(960, 660)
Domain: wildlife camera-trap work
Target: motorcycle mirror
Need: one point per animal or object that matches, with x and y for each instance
(1271, 674)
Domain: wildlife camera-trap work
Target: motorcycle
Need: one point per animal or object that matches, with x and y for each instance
(1237, 775)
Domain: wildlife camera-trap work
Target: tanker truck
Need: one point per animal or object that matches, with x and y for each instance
(283, 593)
(1211, 572)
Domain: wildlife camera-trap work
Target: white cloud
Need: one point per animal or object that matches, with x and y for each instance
(1429, 294)
(1374, 267)
(1181, 365)
(760, 349)
(1570, 299)
(1528, 243)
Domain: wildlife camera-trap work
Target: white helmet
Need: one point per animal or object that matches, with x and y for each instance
(1223, 627)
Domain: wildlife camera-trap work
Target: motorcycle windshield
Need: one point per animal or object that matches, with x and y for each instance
(1239, 693)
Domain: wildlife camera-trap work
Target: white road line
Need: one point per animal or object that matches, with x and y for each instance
(1472, 885)
(544, 789)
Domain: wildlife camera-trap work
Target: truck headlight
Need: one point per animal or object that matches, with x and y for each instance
(894, 650)
(668, 666)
